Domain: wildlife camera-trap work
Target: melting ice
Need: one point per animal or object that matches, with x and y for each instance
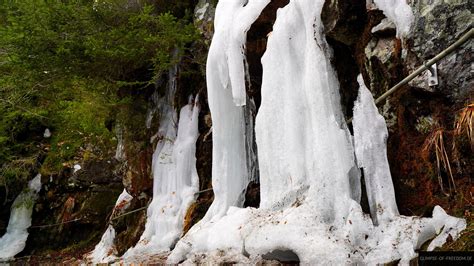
(14, 240)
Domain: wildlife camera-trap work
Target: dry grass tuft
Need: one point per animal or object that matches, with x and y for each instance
(435, 142)
(464, 123)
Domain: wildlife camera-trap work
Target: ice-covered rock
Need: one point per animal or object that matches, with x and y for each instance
(105, 251)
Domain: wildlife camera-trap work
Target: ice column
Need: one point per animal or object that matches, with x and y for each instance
(175, 180)
(303, 142)
(370, 137)
(14, 240)
(226, 89)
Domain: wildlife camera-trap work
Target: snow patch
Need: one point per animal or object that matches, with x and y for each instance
(77, 167)
(47, 133)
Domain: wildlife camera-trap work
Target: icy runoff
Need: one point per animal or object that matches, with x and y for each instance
(105, 251)
(14, 240)
(309, 174)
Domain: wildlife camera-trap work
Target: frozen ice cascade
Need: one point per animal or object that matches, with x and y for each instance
(175, 179)
(14, 240)
(309, 162)
(105, 251)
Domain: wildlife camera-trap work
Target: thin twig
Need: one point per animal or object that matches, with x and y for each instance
(52, 225)
(130, 212)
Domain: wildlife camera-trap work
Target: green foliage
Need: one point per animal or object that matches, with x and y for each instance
(104, 39)
(62, 64)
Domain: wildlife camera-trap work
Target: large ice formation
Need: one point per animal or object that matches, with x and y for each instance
(226, 93)
(14, 240)
(309, 180)
(105, 251)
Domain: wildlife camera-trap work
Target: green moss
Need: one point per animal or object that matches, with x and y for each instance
(465, 242)
(25, 200)
(425, 124)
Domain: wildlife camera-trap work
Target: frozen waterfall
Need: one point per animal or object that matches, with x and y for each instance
(309, 178)
(14, 240)
(174, 173)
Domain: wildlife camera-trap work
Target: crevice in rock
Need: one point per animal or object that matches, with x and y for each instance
(364, 200)
(344, 62)
(344, 24)
(252, 195)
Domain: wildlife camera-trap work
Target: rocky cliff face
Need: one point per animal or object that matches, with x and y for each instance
(363, 41)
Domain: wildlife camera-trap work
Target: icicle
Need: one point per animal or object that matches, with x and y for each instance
(120, 150)
(370, 135)
(233, 20)
(14, 240)
(226, 63)
(226, 93)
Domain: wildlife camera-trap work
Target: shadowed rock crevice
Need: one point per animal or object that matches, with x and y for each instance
(344, 23)
(286, 256)
(256, 46)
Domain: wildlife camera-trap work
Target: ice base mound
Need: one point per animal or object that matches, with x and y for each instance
(249, 235)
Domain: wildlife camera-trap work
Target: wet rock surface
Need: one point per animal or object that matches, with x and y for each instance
(72, 211)
(437, 25)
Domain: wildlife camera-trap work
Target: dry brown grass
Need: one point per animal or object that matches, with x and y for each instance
(464, 123)
(188, 218)
(435, 143)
